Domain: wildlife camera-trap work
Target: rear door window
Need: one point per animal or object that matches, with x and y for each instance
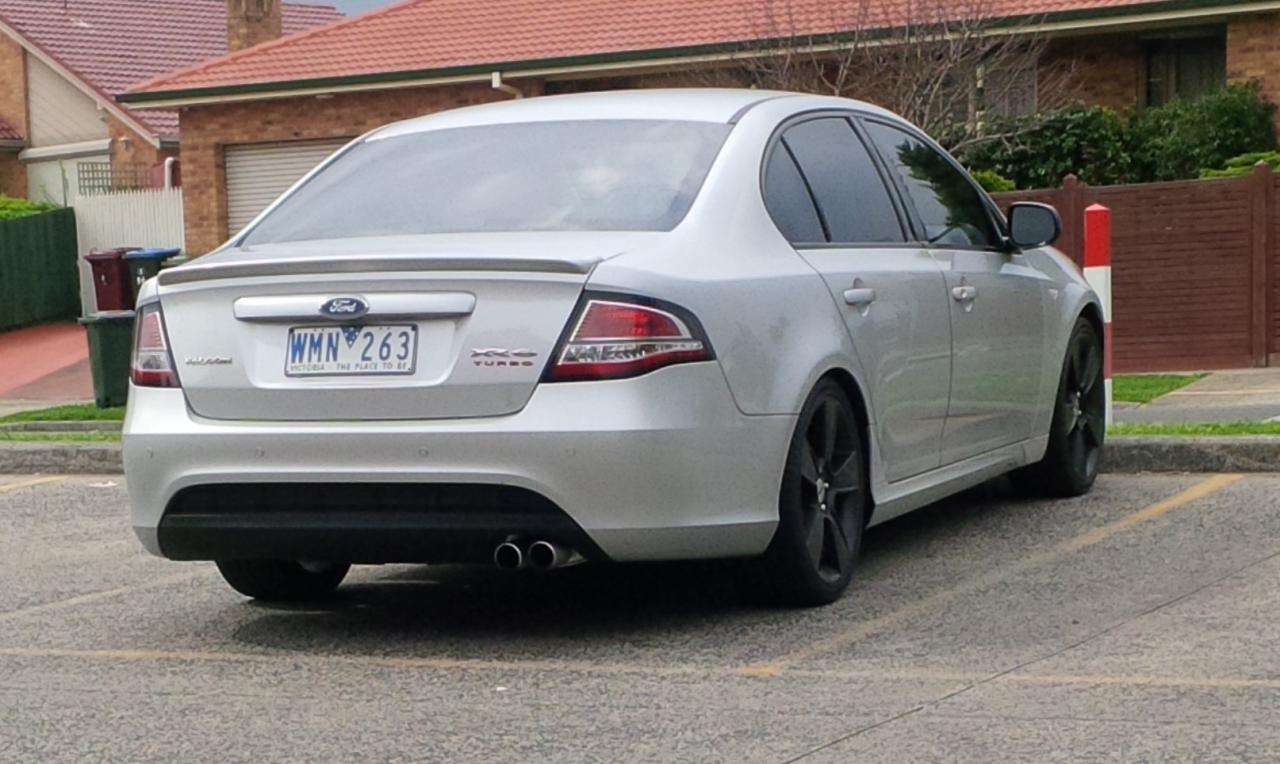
(788, 199)
(851, 195)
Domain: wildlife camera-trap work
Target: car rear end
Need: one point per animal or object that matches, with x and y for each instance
(374, 375)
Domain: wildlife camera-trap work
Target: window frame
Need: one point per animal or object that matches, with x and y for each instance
(1168, 46)
(850, 117)
(998, 223)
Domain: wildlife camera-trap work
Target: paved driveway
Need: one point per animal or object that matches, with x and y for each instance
(1223, 396)
(43, 365)
(1137, 624)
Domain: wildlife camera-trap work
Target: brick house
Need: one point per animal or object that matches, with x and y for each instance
(63, 62)
(255, 121)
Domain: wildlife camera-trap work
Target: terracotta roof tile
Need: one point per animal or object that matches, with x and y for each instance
(424, 35)
(115, 44)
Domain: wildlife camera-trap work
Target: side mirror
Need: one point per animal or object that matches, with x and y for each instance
(1032, 224)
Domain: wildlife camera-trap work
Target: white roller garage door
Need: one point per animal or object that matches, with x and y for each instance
(258, 173)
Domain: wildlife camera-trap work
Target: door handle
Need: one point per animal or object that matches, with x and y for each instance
(964, 293)
(859, 296)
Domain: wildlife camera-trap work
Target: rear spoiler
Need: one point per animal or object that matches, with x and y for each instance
(193, 272)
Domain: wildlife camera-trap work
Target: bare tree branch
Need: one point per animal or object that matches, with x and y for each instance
(953, 67)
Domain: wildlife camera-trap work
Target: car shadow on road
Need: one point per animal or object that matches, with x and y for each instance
(431, 605)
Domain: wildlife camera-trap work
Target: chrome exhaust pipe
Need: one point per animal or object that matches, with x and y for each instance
(546, 555)
(508, 556)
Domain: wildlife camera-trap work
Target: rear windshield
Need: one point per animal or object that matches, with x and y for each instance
(605, 175)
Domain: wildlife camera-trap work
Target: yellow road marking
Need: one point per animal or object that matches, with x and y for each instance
(906, 612)
(1210, 683)
(1194, 493)
(85, 599)
(7, 487)
(587, 667)
(372, 661)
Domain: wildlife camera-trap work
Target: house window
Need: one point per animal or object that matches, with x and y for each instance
(1008, 89)
(1185, 67)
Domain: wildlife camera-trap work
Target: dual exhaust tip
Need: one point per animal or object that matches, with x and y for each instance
(540, 555)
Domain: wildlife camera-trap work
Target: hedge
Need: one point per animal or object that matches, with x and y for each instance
(39, 275)
(1102, 147)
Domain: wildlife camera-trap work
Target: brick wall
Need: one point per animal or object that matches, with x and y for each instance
(1253, 52)
(13, 108)
(127, 147)
(13, 175)
(206, 130)
(1106, 71)
(13, 84)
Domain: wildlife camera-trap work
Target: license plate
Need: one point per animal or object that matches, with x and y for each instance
(334, 351)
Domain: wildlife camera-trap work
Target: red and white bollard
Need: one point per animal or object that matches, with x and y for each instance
(1097, 271)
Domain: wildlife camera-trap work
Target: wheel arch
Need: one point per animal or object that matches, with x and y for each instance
(1092, 313)
(849, 384)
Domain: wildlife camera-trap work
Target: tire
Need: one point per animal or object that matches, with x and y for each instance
(283, 580)
(821, 507)
(1076, 434)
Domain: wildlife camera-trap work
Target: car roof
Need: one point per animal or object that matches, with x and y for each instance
(719, 105)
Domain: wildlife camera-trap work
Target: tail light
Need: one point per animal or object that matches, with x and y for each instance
(615, 337)
(152, 364)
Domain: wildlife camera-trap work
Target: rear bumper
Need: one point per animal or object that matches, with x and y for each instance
(663, 466)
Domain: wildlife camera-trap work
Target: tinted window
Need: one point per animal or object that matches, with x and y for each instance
(952, 210)
(850, 192)
(789, 201)
(625, 175)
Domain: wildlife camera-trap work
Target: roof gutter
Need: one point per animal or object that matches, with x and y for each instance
(67, 150)
(632, 61)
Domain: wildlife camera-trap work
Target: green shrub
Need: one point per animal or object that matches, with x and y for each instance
(1242, 165)
(1101, 147)
(1087, 141)
(993, 182)
(11, 208)
(1177, 140)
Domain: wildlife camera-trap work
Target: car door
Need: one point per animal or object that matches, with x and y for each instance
(829, 197)
(996, 298)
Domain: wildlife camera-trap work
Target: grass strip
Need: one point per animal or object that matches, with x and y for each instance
(1197, 428)
(1144, 388)
(76, 413)
(60, 437)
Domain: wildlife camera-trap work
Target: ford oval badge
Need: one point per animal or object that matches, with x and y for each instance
(343, 308)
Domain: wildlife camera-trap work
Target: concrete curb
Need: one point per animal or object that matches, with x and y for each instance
(61, 458)
(1142, 453)
(1123, 455)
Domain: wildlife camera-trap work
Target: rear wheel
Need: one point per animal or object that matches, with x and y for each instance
(822, 506)
(283, 580)
(1070, 464)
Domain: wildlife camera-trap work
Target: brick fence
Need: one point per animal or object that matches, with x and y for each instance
(1195, 268)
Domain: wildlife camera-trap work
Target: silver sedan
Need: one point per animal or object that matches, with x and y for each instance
(645, 325)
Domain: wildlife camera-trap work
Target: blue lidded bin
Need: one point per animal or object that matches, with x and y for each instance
(145, 263)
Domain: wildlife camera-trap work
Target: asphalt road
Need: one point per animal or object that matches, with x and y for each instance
(1138, 624)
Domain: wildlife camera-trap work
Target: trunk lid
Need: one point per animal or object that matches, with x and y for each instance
(416, 328)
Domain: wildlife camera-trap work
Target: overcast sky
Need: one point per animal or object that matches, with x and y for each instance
(352, 7)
